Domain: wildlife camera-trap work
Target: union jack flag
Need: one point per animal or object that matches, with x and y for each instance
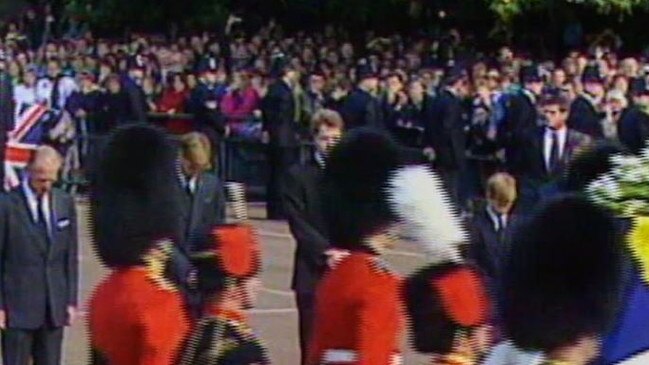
(22, 142)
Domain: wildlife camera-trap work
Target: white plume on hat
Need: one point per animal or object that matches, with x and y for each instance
(426, 212)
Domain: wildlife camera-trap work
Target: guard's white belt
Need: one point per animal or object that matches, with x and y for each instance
(349, 356)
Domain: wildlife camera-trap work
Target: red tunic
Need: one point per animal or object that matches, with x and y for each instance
(358, 315)
(134, 321)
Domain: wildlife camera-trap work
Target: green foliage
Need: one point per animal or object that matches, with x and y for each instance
(507, 10)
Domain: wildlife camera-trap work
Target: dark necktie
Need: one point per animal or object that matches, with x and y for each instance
(501, 222)
(42, 221)
(55, 93)
(188, 188)
(554, 151)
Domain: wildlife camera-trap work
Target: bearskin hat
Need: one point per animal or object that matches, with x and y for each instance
(562, 278)
(133, 199)
(441, 300)
(355, 181)
(233, 253)
(591, 162)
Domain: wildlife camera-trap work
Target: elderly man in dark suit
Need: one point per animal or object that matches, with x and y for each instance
(302, 200)
(38, 265)
(549, 149)
(6, 110)
(280, 116)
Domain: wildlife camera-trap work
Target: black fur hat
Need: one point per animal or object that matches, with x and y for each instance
(442, 300)
(133, 194)
(591, 162)
(356, 179)
(562, 278)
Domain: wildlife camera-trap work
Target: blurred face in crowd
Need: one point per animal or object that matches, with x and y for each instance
(394, 84)
(317, 83)
(30, 78)
(493, 79)
(326, 138)
(210, 77)
(53, 69)
(558, 77)
(13, 69)
(347, 51)
(22, 59)
(114, 86)
(630, 67)
(621, 83)
(416, 91)
(43, 172)
(536, 87)
(568, 91)
(178, 84)
(616, 106)
(192, 82)
(595, 89)
(555, 116)
(370, 84)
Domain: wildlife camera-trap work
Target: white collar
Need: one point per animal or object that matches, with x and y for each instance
(32, 203)
(319, 159)
(494, 217)
(562, 135)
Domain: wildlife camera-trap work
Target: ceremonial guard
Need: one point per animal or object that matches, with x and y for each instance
(136, 222)
(228, 277)
(369, 196)
(562, 285)
(447, 307)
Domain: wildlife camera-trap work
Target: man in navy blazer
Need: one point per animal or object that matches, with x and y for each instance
(38, 265)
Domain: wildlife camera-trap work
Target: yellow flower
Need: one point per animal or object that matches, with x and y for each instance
(638, 241)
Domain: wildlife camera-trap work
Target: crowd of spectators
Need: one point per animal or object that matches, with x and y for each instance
(216, 83)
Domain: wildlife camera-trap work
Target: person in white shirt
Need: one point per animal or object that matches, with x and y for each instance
(25, 93)
(55, 89)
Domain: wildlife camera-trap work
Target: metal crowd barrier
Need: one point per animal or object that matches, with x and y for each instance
(238, 159)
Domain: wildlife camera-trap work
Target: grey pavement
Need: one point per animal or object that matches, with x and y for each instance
(275, 316)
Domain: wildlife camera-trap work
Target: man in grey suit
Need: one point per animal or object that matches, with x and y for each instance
(203, 195)
(38, 265)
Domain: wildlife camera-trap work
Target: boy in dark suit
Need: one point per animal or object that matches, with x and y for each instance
(38, 265)
(302, 201)
(491, 226)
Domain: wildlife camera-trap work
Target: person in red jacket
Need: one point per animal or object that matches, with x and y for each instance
(371, 198)
(137, 315)
(174, 101)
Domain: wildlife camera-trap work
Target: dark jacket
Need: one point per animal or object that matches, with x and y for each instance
(278, 108)
(6, 105)
(115, 110)
(585, 118)
(302, 201)
(521, 118)
(361, 109)
(37, 272)
(488, 248)
(416, 117)
(445, 132)
(633, 129)
(201, 211)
